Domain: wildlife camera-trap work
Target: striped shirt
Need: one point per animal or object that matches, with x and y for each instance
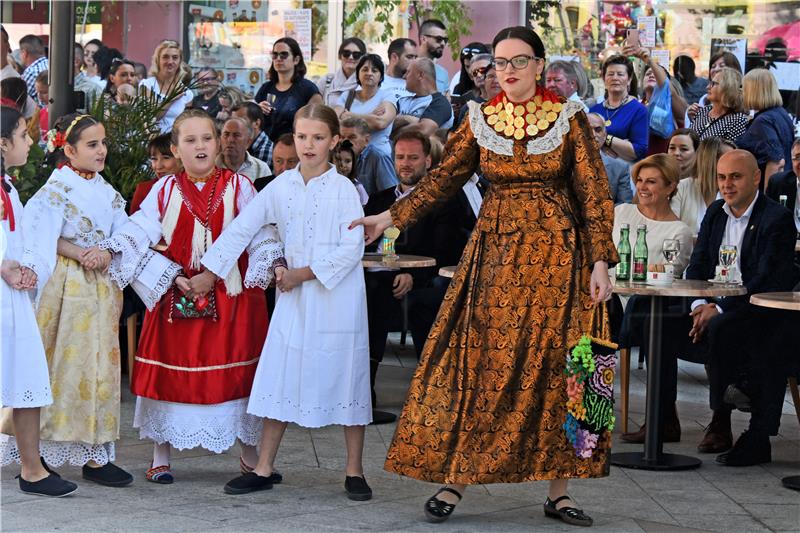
(261, 148)
(30, 74)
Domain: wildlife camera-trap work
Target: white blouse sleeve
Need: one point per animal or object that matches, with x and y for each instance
(43, 217)
(334, 266)
(253, 229)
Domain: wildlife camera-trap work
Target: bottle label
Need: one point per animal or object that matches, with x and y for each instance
(639, 269)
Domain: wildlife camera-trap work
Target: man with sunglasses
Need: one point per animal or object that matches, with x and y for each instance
(401, 53)
(432, 40)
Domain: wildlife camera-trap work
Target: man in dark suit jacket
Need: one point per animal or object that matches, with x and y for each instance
(724, 332)
(436, 235)
(787, 183)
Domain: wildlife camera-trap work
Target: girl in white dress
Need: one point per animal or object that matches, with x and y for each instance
(77, 305)
(25, 382)
(314, 368)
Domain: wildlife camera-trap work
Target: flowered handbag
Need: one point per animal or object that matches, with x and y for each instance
(590, 386)
(183, 307)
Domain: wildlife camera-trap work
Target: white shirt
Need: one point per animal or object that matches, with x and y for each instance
(473, 194)
(252, 167)
(797, 207)
(175, 109)
(8, 72)
(734, 234)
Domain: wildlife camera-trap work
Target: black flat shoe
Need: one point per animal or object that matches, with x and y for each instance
(750, 449)
(250, 482)
(52, 486)
(109, 475)
(357, 488)
(570, 515)
(437, 510)
(46, 467)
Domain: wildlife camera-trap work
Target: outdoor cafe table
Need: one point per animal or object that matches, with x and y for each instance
(653, 457)
(448, 271)
(371, 260)
(789, 301)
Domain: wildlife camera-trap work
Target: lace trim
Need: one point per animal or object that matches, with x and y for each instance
(57, 453)
(555, 135)
(341, 413)
(28, 398)
(485, 135)
(151, 297)
(127, 261)
(263, 258)
(215, 433)
(84, 226)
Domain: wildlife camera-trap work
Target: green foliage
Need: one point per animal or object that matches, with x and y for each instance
(129, 128)
(453, 13)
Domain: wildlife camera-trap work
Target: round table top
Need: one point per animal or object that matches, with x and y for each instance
(777, 300)
(797, 246)
(402, 261)
(448, 271)
(679, 287)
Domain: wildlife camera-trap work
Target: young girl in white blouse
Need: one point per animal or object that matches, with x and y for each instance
(25, 382)
(314, 368)
(78, 306)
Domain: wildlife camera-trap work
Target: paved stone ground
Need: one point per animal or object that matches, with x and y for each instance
(711, 498)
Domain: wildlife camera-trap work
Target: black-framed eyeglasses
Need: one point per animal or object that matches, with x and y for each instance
(439, 39)
(355, 54)
(518, 62)
(280, 55)
(479, 73)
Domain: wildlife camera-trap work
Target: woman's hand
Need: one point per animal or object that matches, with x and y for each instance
(28, 280)
(182, 282)
(265, 107)
(11, 273)
(692, 111)
(95, 259)
(600, 284)
(288, 279)
(374, 225)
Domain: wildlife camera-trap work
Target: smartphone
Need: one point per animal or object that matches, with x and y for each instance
(79, 100)
(633, 38)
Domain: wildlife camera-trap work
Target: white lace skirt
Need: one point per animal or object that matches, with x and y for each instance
(58, 453)
(213, 427)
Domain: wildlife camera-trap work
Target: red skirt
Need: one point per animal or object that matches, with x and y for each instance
(200, 360)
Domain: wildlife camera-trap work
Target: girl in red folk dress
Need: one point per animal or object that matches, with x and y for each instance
(201, 339)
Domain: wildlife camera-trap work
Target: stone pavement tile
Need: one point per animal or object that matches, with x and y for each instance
(778, 517)
(757, 491)
(723, 523)
(682, 501)
(657, 527)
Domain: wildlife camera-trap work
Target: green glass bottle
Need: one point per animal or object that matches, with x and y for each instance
(623, 270)
(640, 254)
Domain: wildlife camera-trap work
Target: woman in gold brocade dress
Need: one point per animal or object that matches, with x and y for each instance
(488, 402)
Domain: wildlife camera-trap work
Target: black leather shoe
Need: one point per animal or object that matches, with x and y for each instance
(357, 488)
(437, 510)
(250, 482)
(109, 475)
(751, 448)
(52, 486)
(568, 514)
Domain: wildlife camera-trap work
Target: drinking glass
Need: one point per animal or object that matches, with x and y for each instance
(671, 248)
(727, 255)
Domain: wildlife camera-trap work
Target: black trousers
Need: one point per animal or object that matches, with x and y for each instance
(737, 349)
(384, 312)
(423, 306)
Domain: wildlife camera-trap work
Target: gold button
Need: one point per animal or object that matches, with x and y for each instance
(551, 117)
(519, 122)
(519, 133)
(509, 108)
(557, 107)
(530, 118)
(500, 126)
(532, 130)
(502, 115)
(542, 125)
(509, 131)
(492, 120)
(531, 107)
(538, 99)
(519, 111)
(547, 105)
(541, 114)
(489, 110)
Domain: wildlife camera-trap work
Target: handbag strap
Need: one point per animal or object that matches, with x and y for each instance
(351, 95)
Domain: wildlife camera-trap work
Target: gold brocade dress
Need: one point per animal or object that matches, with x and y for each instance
(488, 401)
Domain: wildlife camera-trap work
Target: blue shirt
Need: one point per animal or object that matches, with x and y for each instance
(442, 79)
(629, 122)
(375, 170)
(380, 138)
(769, 137)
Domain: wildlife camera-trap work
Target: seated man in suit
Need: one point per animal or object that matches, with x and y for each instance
(723, 332)
(788, 184)
(617, 170)
(436, 235)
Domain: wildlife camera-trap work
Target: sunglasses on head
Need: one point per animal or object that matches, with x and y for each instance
(347, 54)
(280, 55)
(438, 39)
(469, 52)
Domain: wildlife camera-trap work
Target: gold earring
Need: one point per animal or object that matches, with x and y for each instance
(538, 77)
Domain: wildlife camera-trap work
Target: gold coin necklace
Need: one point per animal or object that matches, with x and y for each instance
(516, 121)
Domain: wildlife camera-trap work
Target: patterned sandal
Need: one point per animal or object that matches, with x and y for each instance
(160, 474)
(570, 515)
(246, 469)
(437, 510)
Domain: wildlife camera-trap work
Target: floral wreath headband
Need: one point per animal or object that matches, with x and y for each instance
(57, 139)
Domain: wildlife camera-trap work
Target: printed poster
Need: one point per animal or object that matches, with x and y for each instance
(647, 31)
(661, 57)
(737, 47)
(297, 25)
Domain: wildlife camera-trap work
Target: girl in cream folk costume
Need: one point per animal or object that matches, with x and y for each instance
(491, 401)
(201, 338)
(25, 382)
(78, 306)
(314, 367)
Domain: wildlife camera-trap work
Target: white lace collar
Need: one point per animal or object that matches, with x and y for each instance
(489, 139)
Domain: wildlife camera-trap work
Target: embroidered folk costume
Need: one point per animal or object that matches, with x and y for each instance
(489, 400)
(26, 382)
(196, 359)
(314, 367)
(78, 316)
